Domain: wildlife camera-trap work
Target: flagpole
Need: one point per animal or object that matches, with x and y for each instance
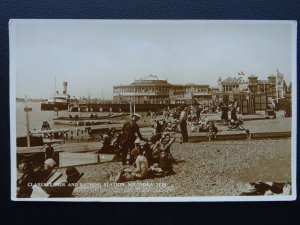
(277, 86)
(130, 104)
(130, 108)
(54, 94)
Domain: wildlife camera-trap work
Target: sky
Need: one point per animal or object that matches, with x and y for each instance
(94, 55)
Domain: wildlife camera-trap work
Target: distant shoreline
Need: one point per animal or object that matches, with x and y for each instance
(31, 100)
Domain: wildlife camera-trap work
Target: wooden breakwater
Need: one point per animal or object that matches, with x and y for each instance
(241, 136)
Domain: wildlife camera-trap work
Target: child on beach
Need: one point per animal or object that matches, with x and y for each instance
(248, 135)
(212, 131)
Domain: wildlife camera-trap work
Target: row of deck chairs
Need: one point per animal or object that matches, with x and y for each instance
(58, 185)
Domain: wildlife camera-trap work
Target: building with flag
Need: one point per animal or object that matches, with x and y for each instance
(280, 89)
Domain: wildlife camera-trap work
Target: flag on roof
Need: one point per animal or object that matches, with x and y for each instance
(280, 77)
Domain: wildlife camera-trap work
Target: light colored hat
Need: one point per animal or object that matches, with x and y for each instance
(50, 162)
(137, 141)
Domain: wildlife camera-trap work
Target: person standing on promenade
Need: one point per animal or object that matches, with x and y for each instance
(183, 124)
(130, 130)
(233, 113)
(224, 114)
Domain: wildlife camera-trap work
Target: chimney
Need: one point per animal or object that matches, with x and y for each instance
(65, 84)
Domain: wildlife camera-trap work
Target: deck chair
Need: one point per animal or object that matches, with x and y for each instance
(236, 126)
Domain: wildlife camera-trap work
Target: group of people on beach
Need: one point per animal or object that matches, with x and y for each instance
(195, 117)
(152, 158)
(152, 155)
(39, 178)
(146, 158)
(32, 175)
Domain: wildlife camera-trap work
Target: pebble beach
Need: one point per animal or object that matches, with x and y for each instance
(216, 168)
(204, 169)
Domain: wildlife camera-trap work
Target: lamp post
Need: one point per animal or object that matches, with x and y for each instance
(27, 110)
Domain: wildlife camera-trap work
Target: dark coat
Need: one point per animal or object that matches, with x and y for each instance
(129, 133)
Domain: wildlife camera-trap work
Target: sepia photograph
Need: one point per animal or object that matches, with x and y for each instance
(153, 110)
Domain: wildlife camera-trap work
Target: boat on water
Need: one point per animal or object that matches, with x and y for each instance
(60, 101)
(93, 116)
(42, 137)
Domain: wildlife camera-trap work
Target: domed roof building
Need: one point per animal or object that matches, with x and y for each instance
(148, 89)
(151, 90)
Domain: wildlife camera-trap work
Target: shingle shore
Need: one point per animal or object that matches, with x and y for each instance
(205, 169)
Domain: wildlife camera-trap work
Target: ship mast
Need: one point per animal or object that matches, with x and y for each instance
(55, 108)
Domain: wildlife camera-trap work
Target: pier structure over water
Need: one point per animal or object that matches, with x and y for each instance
(154, 94)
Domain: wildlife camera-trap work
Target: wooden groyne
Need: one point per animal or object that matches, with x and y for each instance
(241, 136)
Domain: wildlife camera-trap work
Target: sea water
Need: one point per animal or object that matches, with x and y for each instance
(37, 116)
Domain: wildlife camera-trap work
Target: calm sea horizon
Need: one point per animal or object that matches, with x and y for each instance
(37, 116)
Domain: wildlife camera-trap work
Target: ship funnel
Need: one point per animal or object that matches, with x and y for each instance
(65, 84)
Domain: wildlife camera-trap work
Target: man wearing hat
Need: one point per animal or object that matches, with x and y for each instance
(28, 177)
(130, 130)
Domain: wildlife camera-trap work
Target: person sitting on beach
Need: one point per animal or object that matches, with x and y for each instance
(142, 166)
(66, 188)
(140, 172)
(136, 151)
(148, 151)
(165, 163)
(212, 131)
(159, 128)
(166, 113)
(203, 125)
(29, 177)
(157, 148)
(204, 121)
(49, 152)
(106, 143)
(116, 144)
(248, 135)
(32, 175)
(236, 125)
(45, 171)
(172, 126)
(194, 127)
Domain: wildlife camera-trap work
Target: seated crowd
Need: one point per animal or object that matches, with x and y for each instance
(152, 159)
(40, 179)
